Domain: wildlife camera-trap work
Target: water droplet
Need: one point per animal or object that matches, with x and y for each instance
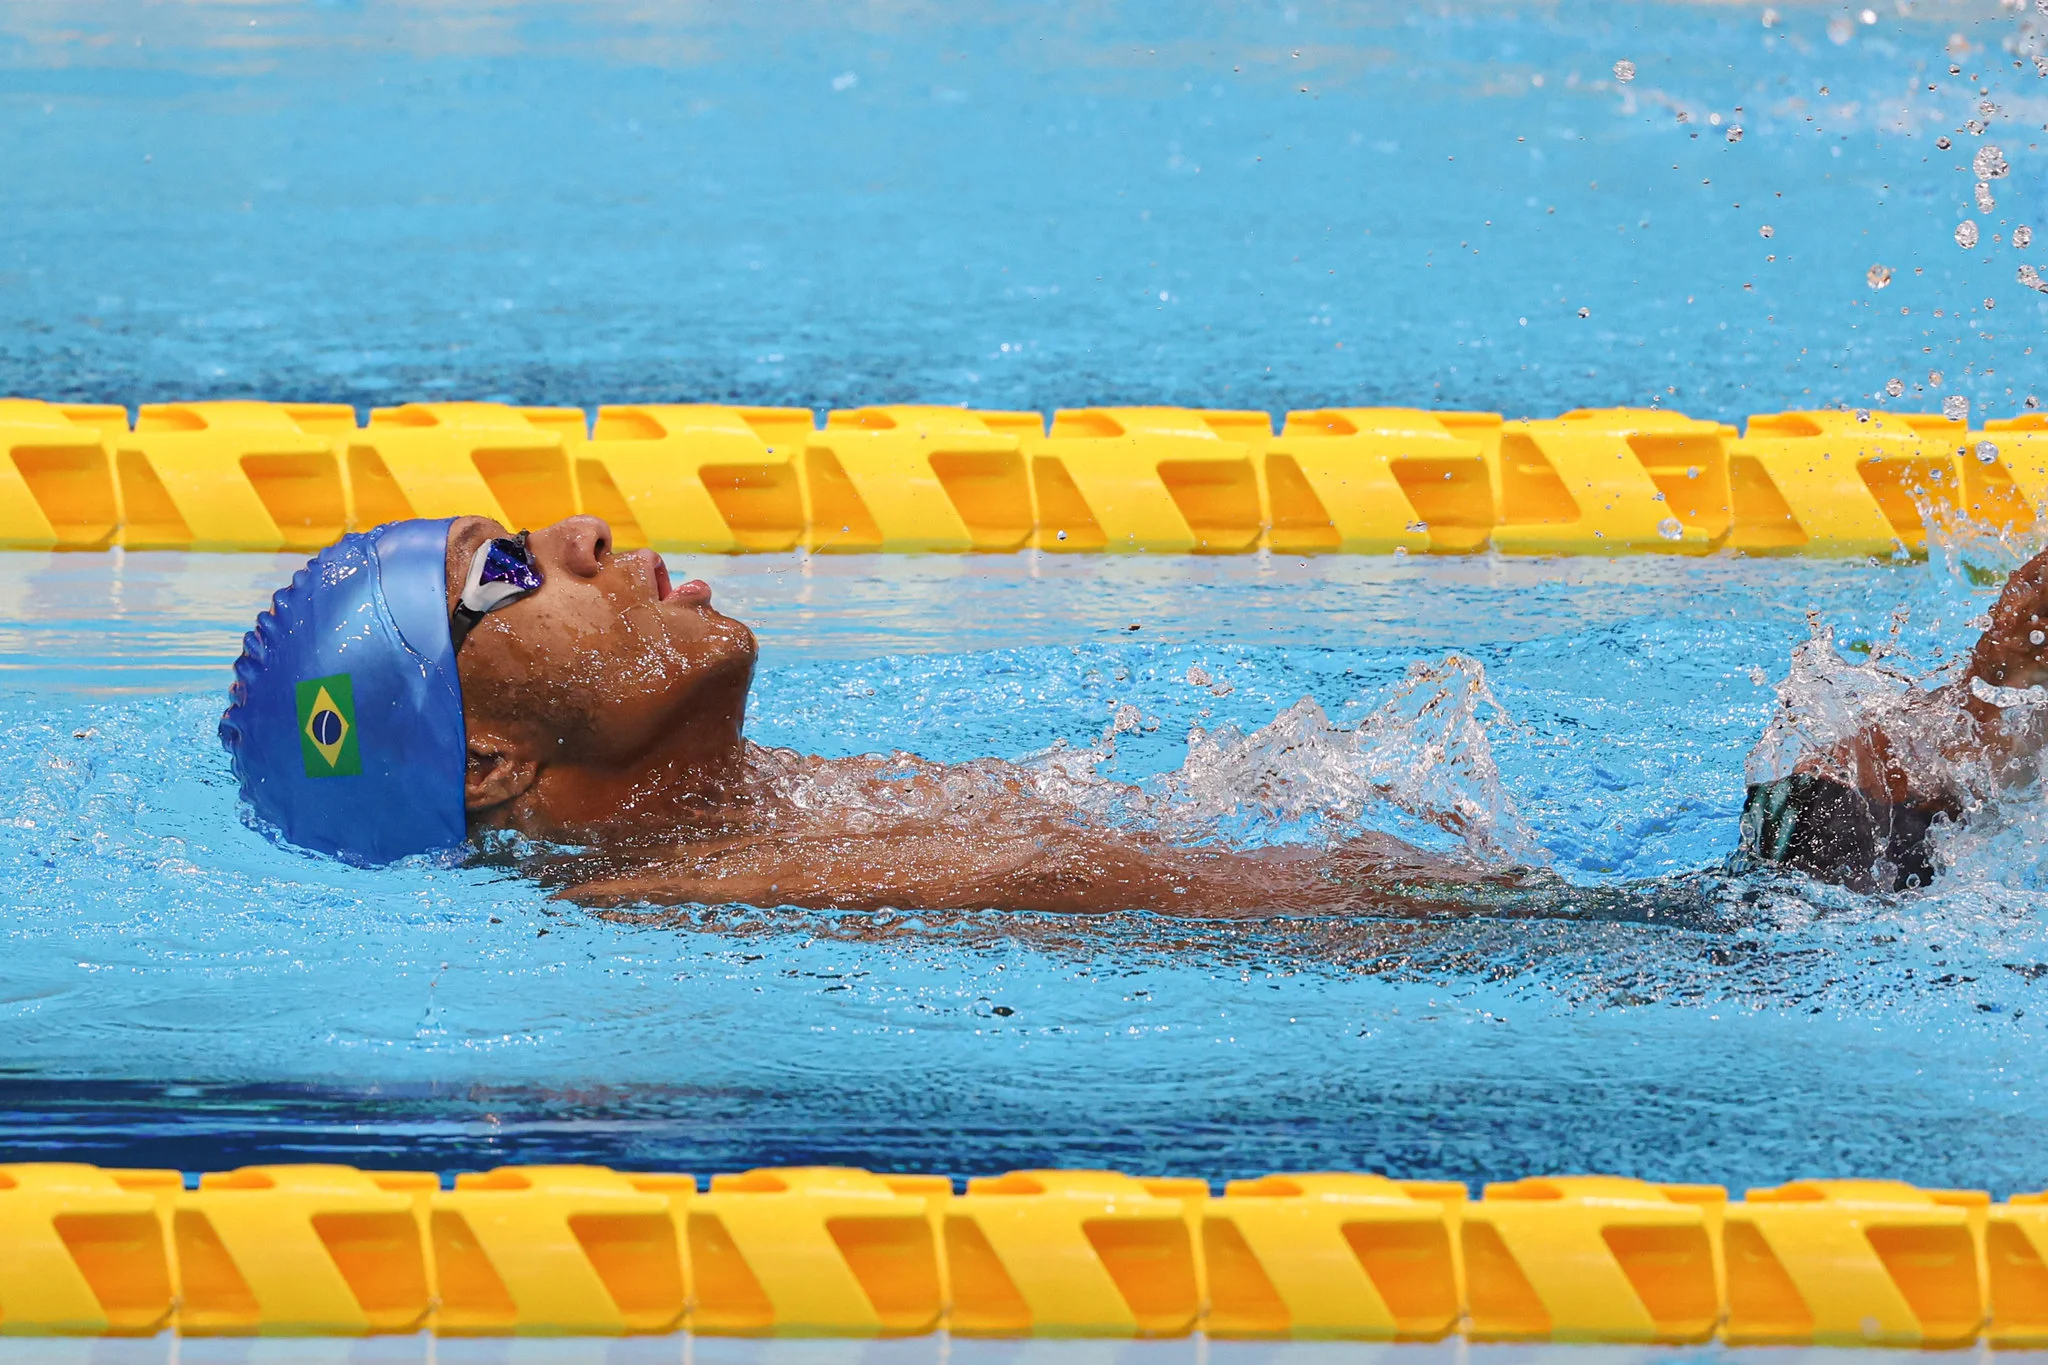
(1063, 535)
(1868, 16)
(1770, 18)
(1966, 233)
(2023, 237)
(1987, 453)
(1735, 132)
(1878, 276)
(1989, 163)
(1624, 71)
(1943, 143)
(1985, 203)
(1976, 129)
(1400, 552)
(1585, 312)
(1766, 232)
(2031, 278)
(1671, 528)
(1990, 304)
(1895, 387)
(1934, 379)
(2035, 637)
(1840, 30)
(1863, 414)
(1955, 407)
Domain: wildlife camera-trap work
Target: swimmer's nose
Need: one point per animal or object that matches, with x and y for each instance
(576, 545)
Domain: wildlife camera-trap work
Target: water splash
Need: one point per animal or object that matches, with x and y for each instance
(1418, 764)
(1423, 752)
(1826, 701)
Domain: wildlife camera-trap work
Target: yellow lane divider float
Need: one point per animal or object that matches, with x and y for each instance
(697, 478)
(830, 1252)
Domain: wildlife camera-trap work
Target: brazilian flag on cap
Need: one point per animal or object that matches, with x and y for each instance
(327, 727)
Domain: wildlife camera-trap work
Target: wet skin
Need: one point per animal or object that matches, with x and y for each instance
(607, 710)
(1922, 754)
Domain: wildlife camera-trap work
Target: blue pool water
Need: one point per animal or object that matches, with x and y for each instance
(1269, 205)
(1281, 204)
(180, 991)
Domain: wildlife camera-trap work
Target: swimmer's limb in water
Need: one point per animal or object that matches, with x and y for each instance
(1072, 870)
(1857, 807)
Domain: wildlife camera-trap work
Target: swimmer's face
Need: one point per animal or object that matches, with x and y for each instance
(606, 659)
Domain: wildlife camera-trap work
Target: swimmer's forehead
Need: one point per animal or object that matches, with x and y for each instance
(464, 538)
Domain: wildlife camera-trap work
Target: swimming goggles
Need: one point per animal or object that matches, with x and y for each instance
(500, 573)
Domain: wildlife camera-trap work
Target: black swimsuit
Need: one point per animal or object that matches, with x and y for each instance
(1832, 831)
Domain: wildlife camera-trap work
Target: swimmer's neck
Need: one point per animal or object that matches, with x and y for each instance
(693, 762)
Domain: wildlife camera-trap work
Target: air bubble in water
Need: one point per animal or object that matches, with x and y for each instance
(1766, 232)
(1966, 233)
(1735, 132)
(1985, 203)
(1878, 276)
(1955, 407)
(1989, 163)
(1624, 71)
(1671, 528)
(1895, 387)
(2022, 237)
(1987, 453)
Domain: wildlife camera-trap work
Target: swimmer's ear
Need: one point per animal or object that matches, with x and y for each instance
(495, 773)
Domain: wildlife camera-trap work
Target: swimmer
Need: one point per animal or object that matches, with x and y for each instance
(431, 680)
(1860, 811)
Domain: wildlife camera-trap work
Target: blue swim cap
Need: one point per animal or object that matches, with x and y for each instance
(345, 728)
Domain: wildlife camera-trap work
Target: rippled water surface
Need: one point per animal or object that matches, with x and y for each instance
(1281, 204)
(180, 991)
(1246, 205)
